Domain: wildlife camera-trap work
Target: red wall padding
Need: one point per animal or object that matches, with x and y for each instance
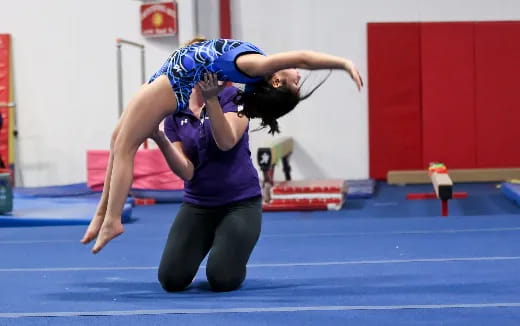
(497, 52)
(448, 94)
(5, 81)
(443, 92)
(394, 97)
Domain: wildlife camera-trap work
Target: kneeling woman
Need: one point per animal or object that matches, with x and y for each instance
(221, 212)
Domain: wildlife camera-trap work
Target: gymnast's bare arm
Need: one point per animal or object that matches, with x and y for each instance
(260, 65)
(226, 128)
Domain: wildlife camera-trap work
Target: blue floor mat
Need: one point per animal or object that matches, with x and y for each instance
(390, 257)
(390, 201)
(81, 189)
(71, 190)
(343, 263)
(54, 211)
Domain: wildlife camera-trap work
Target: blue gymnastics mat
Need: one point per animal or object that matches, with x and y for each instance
(511, 191)
(71, 190)
(54, 211)
(82, 190)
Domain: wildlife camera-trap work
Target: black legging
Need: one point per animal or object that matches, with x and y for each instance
(229, 231)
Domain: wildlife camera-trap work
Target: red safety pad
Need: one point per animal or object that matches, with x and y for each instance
(448, 94)
(498, 94)
(302, 205)
(5, 81)
(144, 201)
(151, 172)
(327, 186)
(268, 207)
(394, 97)
(307, 195)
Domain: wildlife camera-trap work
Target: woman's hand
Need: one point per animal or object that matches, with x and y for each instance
(354, 73)
(209, 86)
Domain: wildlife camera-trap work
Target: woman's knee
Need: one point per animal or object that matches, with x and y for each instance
(174, 282)
(222, 280)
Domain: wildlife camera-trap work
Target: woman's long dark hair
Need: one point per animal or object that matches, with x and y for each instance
(268, 103)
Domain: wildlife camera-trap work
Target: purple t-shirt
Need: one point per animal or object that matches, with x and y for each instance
(221, 177)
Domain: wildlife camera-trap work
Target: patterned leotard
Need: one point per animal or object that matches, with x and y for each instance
(186, 66)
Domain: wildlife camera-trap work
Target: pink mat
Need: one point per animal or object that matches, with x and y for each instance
(151, 172)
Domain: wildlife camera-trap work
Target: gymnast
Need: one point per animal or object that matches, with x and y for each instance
(272, 90)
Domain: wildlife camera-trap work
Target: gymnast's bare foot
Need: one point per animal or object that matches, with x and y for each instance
(110, 229)
(93, 228)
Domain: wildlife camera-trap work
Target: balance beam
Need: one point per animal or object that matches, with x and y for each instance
(442, 185)
(268, 156)
(457, 176)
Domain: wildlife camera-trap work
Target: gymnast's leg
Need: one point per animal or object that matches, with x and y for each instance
(152, 103)
(99, 216)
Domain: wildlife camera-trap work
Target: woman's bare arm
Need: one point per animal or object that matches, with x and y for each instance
(174, 155)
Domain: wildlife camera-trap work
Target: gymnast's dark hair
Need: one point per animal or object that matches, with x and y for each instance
(268, 103)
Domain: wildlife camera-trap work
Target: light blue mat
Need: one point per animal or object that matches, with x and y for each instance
(37, 211)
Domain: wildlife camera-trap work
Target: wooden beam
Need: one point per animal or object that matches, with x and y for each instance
(271, 154)
(456, 175)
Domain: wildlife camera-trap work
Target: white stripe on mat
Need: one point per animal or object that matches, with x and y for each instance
(332, 234)
(255, 309)
(302, 264)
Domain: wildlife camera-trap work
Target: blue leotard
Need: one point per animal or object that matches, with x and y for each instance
(186, 66)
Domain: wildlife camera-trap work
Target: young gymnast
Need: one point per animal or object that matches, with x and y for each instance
(273, 90)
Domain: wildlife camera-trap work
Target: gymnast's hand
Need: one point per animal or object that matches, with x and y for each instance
(157, 135)
(354, 73)
(209, 86)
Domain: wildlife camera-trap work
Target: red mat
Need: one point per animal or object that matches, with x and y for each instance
(151, 171)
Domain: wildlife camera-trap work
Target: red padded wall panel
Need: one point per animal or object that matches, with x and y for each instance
(448, 94)
(5, 80)
(394, 97)
(497, 57)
